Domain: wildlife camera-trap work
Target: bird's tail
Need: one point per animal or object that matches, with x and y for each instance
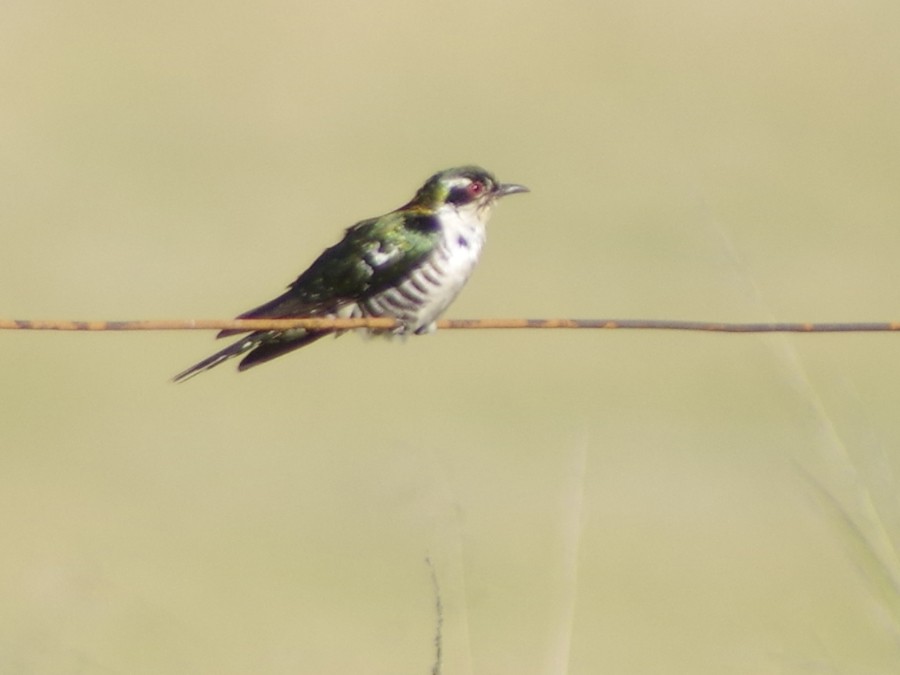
(236, 349)
(262, 345)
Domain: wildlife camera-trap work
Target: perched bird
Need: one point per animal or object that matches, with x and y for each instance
(408, 264)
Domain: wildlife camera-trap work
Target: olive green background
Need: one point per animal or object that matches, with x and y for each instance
(591, 502)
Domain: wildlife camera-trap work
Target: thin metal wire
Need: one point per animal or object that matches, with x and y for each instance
(323, 323)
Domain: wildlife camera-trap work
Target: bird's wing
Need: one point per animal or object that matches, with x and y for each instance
(373, 255)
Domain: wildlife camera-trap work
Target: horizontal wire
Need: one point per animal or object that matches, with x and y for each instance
(326, 323)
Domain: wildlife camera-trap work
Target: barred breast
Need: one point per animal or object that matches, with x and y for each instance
(420, 299)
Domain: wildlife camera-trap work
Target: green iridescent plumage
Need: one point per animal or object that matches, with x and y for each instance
(408, 264)
(345, 271)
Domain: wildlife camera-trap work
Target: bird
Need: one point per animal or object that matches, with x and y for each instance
(408, 264)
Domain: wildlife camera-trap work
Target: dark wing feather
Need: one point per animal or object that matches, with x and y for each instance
(373, 255)
(268, 350)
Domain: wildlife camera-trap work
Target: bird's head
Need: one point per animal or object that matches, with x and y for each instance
(464, 188)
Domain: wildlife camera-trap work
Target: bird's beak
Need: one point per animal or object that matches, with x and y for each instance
(509, 189)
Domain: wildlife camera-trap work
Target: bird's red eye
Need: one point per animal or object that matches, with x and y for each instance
(475, 188)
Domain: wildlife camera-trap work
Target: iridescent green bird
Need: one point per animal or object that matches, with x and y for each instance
(409, 264)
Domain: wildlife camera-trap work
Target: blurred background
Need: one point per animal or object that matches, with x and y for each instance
(589, 501)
